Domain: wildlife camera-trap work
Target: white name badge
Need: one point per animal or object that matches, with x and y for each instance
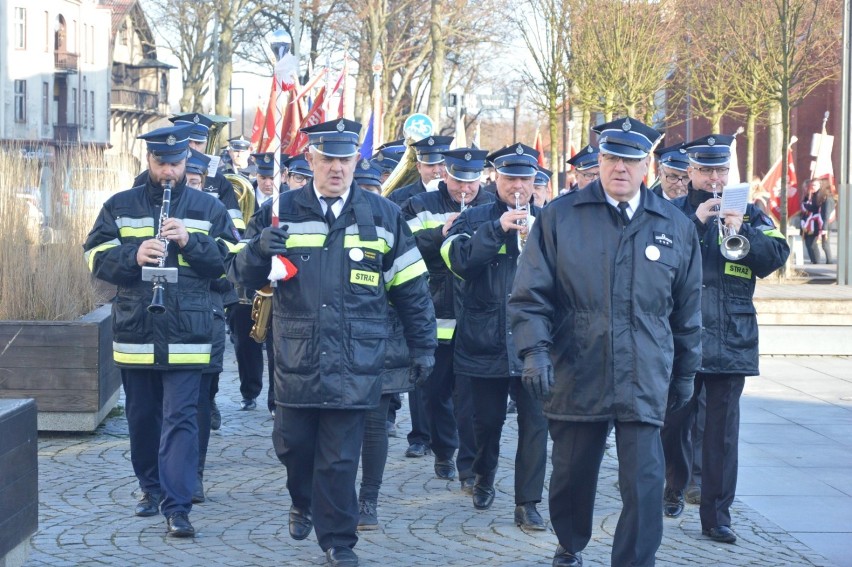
(652, 253)
(356, 254)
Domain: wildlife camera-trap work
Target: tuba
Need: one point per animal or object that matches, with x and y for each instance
(733, 246)
(416, 127)
(245, 194)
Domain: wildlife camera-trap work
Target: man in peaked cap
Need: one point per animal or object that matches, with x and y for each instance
(238, 152)
(430, 166)
(729, 331)
(482, 248)
(353, 255)
(586, 163)
(196, 169)
(541, 187)
(673, 179)
(298, 172)
(368, 176)
(446, 396)
(162, 355)
(632, 296)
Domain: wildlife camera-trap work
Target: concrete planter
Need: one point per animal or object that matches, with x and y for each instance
(65, 366)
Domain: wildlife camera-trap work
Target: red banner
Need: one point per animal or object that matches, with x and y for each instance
(771, 183)
(316, 115)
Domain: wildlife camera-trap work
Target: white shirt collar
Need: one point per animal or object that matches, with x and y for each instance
(633, 204)
(338, 205)
(261, 197)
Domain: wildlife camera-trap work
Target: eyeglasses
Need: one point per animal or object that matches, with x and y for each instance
(684, 179)
(591, 176)
(612, 159)
(708, 171)
(298, 178)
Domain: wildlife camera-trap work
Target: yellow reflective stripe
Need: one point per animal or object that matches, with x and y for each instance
(232, 248)
(414, 270)
(425, 225)
(237, 218)
(130, 353)
(239, 224)
(130, 222)
(502, 250)
(306, 241)
(195, 225)
(774, 233)
(737, 270)
(446, 329)
(140, 232)
(354, 241)
(445, 253)
(89, 255)
(182, 261)
(189, 359)
(381, 232)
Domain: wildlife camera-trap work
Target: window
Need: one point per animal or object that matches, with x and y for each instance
(92, 110)
(45, 104)
(20, 28)
(91, 44)
(84, 108)
(20, 101)
(82, 51)
(47, 34)
(73, 106)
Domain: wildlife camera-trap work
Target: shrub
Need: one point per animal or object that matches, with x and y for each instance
(47, 207)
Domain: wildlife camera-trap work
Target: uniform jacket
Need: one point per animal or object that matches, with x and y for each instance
(619, 309)
(330, 321)
(404, 193)
(426, 214)
(729, 337)
(180, 337)
(480, 253)
(395, 376)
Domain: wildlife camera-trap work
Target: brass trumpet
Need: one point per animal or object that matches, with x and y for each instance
(733, 246)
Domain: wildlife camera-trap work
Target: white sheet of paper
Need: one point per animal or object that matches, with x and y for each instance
(213, 166)
(735, 198)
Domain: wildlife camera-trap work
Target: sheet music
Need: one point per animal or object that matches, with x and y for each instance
(213, 166)
(735, 198)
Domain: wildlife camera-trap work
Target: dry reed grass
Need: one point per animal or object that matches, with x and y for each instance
(42, 272)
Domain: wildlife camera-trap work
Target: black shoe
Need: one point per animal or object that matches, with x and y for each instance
(528, 518)
(341, 556)
(417, 450)
(483, 491)
(467, 485)
(445, 470)
(564, 558)
(673, 503)
(179, 526)
(722, 534)
(693, 494)
(368, 518)
(301, 523)
(248, 404)
(391, 429)
(148, 504)
(215, 416)
(512, 407)
(198, 494)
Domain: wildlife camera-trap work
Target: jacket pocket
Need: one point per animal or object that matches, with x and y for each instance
(741, 332)
(367, 346)
(296, 348)
(131, 321)
(365, 277)
(481, 331)
(195, 319)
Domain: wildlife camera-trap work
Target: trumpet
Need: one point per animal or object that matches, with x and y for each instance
(525, 223)
(733, 246)
(160, 275)
(463, 205)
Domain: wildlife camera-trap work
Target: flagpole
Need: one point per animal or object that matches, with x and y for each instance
(822, 136)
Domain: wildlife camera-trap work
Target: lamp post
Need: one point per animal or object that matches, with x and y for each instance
(242, 109)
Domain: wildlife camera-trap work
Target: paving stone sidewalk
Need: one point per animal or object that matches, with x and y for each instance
(86, 510)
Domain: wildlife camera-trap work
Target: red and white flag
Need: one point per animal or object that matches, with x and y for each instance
(316, 115)
(771, 183)
(539, 147)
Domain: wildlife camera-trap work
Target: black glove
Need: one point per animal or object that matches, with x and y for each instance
(538, 374)
(680, 392)
(420, 369)
(272, 241)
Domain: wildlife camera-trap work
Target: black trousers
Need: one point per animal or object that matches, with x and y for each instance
(449, 405)
(204, 399)
(161, 410)
(420, 425)
(578, 449)
(374, 452)
(489, 414)
(720, 453)
(249, 353)
(682, 436)
(321, 449)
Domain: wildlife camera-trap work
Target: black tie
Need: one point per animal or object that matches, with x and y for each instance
(622, 208)
(329, 214)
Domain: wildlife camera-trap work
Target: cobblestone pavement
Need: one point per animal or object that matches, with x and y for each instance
(86, 510)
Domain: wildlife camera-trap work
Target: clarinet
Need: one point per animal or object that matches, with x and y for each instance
(161, 274)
